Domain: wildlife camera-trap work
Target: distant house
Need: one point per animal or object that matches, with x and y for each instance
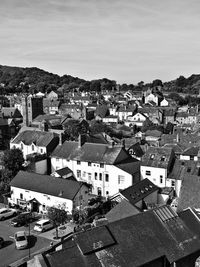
(37, 192)
(190, 153)
(52, 95)
(75, 111)
(12, 113)
(110, 119)
(164, 103)
(50, 106)
(31, 142)
(137, 119)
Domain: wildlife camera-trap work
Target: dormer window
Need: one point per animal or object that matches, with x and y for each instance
(152, 156)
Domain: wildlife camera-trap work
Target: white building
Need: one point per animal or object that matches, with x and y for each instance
(156, 164)
(37, 192)
(34, 142)
(107, 168)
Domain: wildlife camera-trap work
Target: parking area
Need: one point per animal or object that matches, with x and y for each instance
(9, 254)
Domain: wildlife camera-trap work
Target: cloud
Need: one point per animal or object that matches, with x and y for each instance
(124, 40)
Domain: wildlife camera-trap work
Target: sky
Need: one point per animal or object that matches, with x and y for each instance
(123, 40)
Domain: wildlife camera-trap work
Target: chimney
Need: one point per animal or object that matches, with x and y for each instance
(81, 140)
(60, 139)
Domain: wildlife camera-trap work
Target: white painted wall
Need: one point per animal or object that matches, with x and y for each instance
(109, 187)
(29, 149)
(44, 199)
(155, 175)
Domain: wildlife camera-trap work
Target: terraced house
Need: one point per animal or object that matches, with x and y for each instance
(108, 168)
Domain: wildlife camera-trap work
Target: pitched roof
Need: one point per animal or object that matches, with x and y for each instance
(189, 192)
(37, 137)
(132, 241)
(157, 157)
(90, 152)
(122, 210)
(64, 171)
(182, 168)
(139, 191)
(192, 151)
(46, 184)
(129, 165)
(9, 112)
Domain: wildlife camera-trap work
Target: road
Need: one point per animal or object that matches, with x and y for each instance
(9, 254)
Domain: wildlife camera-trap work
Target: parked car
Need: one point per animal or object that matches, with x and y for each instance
(21, 240)
(43, 225)
(1, 242)
(23, 219)
(6, 213)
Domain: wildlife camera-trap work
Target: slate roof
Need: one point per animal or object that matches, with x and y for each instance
(89, 152)
(10, 112)
(129, 165)
(102, 111)
(182, 168)
(46, 184)
(37, 137)
(189, 192)
(192, 151)
(121, 210)
(130, 242)
(64, 171)
(139, 191)
(157, 157)
(50, 103)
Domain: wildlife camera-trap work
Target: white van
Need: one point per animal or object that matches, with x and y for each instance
(43, 225)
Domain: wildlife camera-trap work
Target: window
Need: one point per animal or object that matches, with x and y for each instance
(161, 179)
(95, 175)
(148, 173)
(152, 156)
(121, 179)
(173, 183)
(32, 147)
(84, 174)
(162, 158)
(78, 162)
(89, 176)
(100, 176)
(22, 146)
(21, 196)
(89, 164)
(107, 177)
(101, 165)
(107, 192)
(41, 150)
(191, 157)
(78, 173)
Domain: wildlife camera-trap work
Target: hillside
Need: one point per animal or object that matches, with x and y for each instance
(31, 80)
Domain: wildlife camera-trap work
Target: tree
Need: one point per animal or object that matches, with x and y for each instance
(156, 83)
(73, 128)
(13, 160)
(57, 216)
